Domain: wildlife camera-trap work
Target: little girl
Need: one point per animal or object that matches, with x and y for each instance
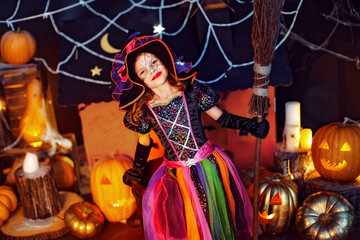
(196, 193)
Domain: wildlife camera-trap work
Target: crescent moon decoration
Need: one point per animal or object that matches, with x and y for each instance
(105, 45)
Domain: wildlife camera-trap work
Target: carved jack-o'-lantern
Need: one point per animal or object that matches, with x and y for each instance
(336, 151)
(109, 192)
(278, 201)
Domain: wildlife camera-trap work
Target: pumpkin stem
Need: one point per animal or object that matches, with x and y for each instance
(18, 30)
(346, 120)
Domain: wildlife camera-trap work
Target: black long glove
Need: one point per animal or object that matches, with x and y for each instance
(136, 173)
(245, 125)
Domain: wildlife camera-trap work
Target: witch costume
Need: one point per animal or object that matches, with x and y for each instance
(196, 193)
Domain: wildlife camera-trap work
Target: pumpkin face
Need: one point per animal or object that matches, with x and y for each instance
(109, 192)
(17, 47)
(325, 215)
(336, 151)
(84, 219)
(278, 201)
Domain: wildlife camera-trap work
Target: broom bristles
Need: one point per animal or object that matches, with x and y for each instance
(264, 37)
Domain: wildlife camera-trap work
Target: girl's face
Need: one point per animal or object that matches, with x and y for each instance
(150, 70)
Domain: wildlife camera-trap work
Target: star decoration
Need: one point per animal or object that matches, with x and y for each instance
(95, 71)
(158, 29)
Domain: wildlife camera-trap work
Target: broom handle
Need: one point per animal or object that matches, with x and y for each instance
(256, 184)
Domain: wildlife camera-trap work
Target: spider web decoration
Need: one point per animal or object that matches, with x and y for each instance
(213, 34)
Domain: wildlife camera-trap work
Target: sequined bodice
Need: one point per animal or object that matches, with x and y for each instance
(175, 123)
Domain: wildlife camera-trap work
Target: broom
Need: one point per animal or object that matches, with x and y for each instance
(264, 34)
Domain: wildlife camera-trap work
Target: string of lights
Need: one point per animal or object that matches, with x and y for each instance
(159, 30)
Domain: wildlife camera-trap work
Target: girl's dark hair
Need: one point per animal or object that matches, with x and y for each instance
(138, 108)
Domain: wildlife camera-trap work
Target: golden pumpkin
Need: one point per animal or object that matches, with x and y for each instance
(64, 172)
(17, 47)
(33, 123)
(336, 151)
(111, 195)
(325, 215)
(278, 201)
(84, 219)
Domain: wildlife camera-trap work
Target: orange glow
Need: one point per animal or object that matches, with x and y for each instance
(33, 123)
(324, 145)
(332, 166)
(264, 218)
(36, 144)
(305, 138)
(276, 200)
(105, 180)
(2, 105)
(346, 147)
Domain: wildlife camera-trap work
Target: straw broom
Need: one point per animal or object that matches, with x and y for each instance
(264, 34)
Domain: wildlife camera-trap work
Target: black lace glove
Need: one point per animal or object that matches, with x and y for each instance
(136, 173)
(245, 125)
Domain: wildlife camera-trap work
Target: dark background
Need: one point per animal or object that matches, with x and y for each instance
(326, 85)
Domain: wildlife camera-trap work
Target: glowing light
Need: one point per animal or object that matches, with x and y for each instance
(346, 147)
(276, 200)
(36, 144)
(324, 145)
(332, 166)
(2, 105)
(305, 138)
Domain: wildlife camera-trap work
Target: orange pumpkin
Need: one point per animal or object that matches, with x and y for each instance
(64, 172)
(336, 151)
(114, 198)
(8, 202)
(17, 47)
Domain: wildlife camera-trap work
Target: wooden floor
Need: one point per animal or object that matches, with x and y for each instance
(132, 230)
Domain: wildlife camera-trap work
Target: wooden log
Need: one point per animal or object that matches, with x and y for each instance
(292, 164)
(17, 227)
(38, 192)
(298, 161)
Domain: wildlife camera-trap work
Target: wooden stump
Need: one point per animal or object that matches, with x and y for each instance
(17, 227)
(349, 190)
(295, 163)
(38, 192)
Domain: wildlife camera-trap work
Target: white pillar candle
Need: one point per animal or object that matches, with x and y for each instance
(292, 126)
(31, 163)
(292, 138)
(292, 114)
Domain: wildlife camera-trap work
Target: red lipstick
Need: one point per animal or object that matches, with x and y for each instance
(156, 76)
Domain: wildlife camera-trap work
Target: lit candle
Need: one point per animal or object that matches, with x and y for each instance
(31, 163)
(305, 138)
(292, 126)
